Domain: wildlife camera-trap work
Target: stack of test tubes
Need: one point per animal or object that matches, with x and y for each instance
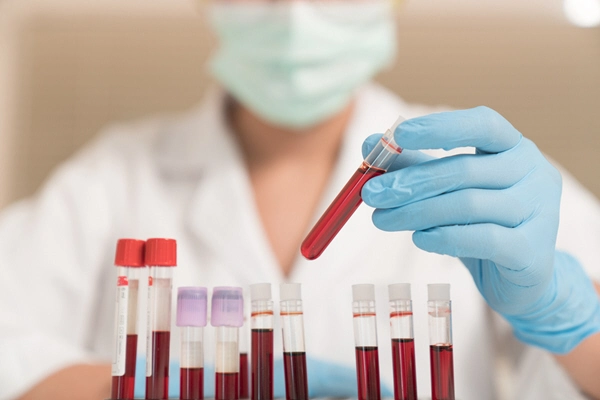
(403, 348)
(231, 364)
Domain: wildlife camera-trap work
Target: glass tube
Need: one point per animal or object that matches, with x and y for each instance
(294, 352)
(365, 338)
(440, 340)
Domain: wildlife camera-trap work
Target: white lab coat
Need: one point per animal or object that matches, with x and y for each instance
(183, 178)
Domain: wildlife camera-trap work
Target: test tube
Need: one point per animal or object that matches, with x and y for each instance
(244, 372)
(227, 316)
(347, 201)
(161, 257)
(262, 342)
(294, 353)
(129, 259)
(440, 340)
(403, 342)
(365, 338)
(191, 318)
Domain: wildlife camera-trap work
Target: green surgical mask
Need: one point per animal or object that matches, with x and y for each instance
(297, 63)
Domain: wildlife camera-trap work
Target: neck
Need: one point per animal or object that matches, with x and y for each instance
(263, 143)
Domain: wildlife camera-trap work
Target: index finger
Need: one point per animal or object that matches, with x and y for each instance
(479, 127)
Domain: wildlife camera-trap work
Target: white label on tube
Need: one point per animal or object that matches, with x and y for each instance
(118, 365)
(149, 328)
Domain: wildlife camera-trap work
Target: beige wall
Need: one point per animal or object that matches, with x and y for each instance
(74, 68)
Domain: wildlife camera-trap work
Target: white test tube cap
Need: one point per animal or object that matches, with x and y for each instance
(260, 291)
(438, 292)
(363, 292)
(290, 291)
(399, 291)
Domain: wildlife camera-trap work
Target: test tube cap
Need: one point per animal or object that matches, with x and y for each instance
(191, 306)
(260, 291)
(400, 120)
(438, 292)
(290, 291)
(161, 252)
(130, 253)
(363, 292)
(227, 307)
(399, 291)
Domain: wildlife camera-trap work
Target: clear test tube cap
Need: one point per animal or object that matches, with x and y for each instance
(400, 120)
(363, 292)
(227, 307)
(399, 291)
(290, 291)
(191, 306)
(438, 292)
(260, 291)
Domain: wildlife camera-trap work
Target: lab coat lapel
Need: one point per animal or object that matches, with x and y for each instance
(221, 213)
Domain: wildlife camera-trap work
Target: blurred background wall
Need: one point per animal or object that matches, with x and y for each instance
(68, 68)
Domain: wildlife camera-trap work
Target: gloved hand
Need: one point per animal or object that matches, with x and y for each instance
(325, 379)
(497, 210)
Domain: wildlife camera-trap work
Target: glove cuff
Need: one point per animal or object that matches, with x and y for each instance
(571, 314)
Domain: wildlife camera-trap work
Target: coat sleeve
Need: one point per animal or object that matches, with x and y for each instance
(53, 248)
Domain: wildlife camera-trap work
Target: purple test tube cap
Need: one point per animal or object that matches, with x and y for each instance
(227, 307)
(191, 306)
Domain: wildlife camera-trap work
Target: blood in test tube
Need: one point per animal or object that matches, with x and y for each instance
(226, 386)
(244, 359)
(129, 259)
(365, 339)
(367, 372)
(442, 372)
(244, 373)
(338, 213)
(403, 345)
(161, 257)
(440, 340)
(191, 320)
(296, 378)
(294, 352)
(191, 382)
(157, 384)
(227, 317)
(262, 342)
(347, 201)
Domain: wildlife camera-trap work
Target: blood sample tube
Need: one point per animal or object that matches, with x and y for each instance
(227, 316)
(403, 342)
(161, 257)
(440, 340)
(294, 353)
(129, 259)
(365, 338)
(262, 342)
(191, 318)
(244, 372)
(347, 201)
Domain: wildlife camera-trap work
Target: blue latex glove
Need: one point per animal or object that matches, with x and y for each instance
(324, 380)
(497, 210)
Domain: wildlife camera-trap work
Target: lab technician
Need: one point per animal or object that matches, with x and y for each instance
(240, 180)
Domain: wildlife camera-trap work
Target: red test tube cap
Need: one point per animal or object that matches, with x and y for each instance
(130, 253)
(161, 252)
